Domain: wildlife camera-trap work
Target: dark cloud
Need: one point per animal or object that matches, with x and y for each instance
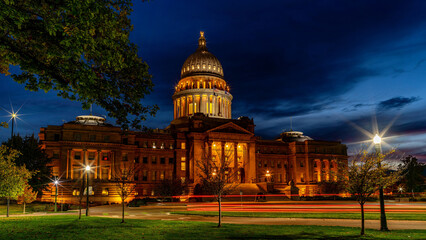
(396, 103)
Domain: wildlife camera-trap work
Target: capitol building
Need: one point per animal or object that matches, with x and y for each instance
(202, 129)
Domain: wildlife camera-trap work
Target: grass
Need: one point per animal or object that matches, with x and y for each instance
(30, 208)
(69, 227)
(368, 216)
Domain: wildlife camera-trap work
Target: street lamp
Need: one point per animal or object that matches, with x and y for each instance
(87, 189)
(56, 182)
(377, 140)
(267, 175)
(13, 115)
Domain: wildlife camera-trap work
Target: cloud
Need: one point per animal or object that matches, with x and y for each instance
(396, 103)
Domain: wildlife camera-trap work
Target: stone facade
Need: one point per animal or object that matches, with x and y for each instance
(202, 130)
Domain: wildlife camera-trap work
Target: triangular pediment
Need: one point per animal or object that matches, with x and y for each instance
(230, 127)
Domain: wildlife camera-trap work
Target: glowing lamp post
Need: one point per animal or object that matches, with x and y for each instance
(13, 121)
(377, 140)
(87, 189)
(267, 175)
(56, 182)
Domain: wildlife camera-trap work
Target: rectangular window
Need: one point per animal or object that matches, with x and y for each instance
(183, 164)
(55, 154)
(170, 160)
(154, 145)
(145, 160)
(265, 164)
(76, 171)
(301, 164)
(92, 138)
(154, 160)
(77, 155)
(125, 141)
(162, 173)
(92, 155)
(182, 145)
(105, 156)
(136, 177)
(136, 159)
(279, 164)
(77, 136)
(162, 146)
(105, 191)
(145, 175)
(125, 156)
(57, 137)
(259, 164)
(105, 173)
(162, 160)
(154, 176)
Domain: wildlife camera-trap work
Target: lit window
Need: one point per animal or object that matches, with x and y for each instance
(76, 192)
(182, 145)
(105, 191)
(182, 163)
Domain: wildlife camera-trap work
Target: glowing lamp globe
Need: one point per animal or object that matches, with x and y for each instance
(377, 139)
(87, 168)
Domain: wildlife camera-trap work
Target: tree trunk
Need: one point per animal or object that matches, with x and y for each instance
(362, 219)
(122, 213)
(24, 207)
(220, 210)
(8, 203)
(79, 209)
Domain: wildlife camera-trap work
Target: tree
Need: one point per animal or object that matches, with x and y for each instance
(412, 174)
(331, 187)
(81, 50)
(4, 124)
(28, 196)
(170, 188)
(123, 177)
(34, 158)
(363, 177)
(12, 177)
(216, 174)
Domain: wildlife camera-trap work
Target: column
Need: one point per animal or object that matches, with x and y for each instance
(68, 164)
(98, 167)
(222, 160)
(193, 104)
(208, 104)
(236, 159)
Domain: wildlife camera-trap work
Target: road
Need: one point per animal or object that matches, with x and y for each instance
(162, 212)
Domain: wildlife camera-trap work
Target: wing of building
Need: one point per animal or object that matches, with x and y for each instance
(202, 130)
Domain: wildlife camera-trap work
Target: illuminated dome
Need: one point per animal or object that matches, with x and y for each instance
(202, 88)
(202, 62)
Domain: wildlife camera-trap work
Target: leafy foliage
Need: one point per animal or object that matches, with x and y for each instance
(365, 174)
(12, 177)
(28, 196)
(34, 159)
(411, 171)
(4, 124)
(81, 49)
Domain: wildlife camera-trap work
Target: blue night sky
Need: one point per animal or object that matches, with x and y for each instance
(327, 65)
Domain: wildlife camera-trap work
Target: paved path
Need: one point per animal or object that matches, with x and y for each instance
(163, 213)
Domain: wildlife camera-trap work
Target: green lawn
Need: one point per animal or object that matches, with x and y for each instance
(69, 227)
(30, 208)
(368, 216)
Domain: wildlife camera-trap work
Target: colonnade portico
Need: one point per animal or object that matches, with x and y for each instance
(214, 103)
